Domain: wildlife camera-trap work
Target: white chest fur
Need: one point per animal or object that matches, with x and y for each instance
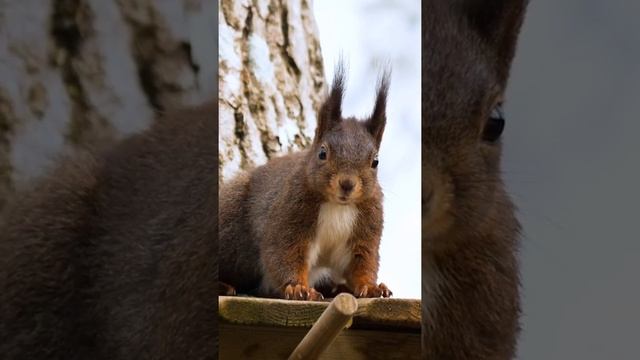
(329, 252)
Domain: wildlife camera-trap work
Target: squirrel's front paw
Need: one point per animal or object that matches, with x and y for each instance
(372, 291)
(301, 292)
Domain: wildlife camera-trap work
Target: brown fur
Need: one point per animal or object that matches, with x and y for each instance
(113, 255)
(268, 217)
(470, 233)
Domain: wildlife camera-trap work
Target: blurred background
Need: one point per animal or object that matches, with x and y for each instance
(571, 163)
(74, 73)
(370, 34)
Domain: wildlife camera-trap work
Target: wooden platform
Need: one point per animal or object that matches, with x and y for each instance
(258, 328)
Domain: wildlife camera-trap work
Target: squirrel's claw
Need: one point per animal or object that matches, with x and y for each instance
(385, 290)
(301, 292)
(372, 291)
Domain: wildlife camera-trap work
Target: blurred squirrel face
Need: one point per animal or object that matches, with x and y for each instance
(463, 81)
(461, 170)
(460, 176)
(343, 160)
(346, 163)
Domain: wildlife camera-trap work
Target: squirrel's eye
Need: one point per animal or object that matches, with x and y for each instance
(322, 155)
(494, 126)
(374, 163)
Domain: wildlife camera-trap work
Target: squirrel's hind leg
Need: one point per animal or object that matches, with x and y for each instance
(226, 289)
(330, 289)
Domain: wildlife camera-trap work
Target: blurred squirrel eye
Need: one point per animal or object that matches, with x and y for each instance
(374, 163)
(323, 153)
(494, 126)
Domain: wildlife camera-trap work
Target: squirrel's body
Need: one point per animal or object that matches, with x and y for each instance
(328, 227)
(113, 254)
(281, 224)
(470, 293)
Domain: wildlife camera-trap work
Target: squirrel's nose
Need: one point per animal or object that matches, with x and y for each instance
(346, 185)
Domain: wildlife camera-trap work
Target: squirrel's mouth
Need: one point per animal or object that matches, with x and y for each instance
(343, 199)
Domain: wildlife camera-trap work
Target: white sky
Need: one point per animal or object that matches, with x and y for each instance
(368, 33)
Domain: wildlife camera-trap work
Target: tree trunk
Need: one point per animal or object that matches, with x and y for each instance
(74, 72)
(271, 80)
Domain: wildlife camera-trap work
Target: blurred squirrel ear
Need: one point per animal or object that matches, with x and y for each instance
(331, 110)
(498, 23)
(377, 121)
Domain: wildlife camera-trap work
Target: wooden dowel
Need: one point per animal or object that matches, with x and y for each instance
(327, 328)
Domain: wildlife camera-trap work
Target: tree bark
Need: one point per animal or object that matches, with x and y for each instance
(74, 72)
(271, 80)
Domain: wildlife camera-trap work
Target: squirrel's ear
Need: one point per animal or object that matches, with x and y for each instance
(375, 124)
(498, 23)
(331, 110)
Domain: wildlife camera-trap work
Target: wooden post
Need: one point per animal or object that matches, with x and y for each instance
(326, 329)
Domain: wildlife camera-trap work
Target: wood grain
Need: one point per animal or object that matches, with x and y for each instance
(387, 314)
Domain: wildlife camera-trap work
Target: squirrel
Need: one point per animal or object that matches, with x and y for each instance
(308, 224)
(470, 234)
(113, 254)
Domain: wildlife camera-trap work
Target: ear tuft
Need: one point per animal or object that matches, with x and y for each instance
(498, 23)
(331, 110)
(376, 123)
(493, 18)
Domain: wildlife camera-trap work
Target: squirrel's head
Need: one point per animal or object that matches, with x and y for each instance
(343, 159)
(467, 50)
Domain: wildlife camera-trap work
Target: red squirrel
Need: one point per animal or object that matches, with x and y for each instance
(470, 234)
(308, 224)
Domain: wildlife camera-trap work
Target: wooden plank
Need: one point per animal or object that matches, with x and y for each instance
(272, 312)
(387, 314)
(275, 342)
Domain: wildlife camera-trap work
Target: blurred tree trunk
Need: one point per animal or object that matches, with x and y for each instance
(271, 80)
(74, 72)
